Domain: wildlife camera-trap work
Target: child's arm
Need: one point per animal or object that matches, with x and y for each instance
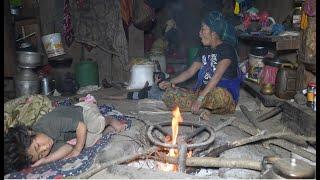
(58, 154)
(81, 133)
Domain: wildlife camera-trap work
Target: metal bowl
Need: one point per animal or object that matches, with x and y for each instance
(28, 59)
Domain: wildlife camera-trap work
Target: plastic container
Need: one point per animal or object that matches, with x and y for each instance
(140, 74)
(53, 45)
(87, 73)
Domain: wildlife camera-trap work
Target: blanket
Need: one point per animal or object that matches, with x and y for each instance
(76, 165)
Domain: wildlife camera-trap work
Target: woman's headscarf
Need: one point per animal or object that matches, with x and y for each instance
(222, 27)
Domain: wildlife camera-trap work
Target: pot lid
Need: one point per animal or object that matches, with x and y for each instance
(25, 45)
(293, 168)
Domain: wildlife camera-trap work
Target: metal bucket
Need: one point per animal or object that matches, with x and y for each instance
(53, 44)
(26, 83)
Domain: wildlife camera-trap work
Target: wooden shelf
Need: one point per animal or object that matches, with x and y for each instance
(282, 42)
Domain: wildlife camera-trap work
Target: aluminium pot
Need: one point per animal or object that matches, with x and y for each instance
(28, 59)
(26, 83)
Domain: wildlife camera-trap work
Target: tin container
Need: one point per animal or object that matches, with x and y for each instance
(310, 94)
(47, 85)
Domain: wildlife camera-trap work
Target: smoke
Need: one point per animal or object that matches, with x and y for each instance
(187, 15)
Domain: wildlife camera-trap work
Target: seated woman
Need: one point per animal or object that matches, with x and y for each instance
(219, 78)
(47, 139)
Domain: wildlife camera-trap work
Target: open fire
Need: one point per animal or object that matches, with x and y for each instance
(176, 119)
(176, 146)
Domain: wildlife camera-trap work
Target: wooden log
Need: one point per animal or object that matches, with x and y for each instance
(160, 112)
(291, 147)
(274, 111)
(100, 167)
(259, 137)
(213, 162)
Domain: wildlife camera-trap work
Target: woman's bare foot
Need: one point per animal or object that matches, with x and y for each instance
(205, 114)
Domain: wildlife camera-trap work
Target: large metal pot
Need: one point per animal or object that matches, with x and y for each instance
(27, 83)
(28, 59)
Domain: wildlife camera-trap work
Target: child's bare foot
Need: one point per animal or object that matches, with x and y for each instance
(117, 125)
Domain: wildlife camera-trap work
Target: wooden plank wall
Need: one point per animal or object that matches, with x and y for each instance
(9, 45)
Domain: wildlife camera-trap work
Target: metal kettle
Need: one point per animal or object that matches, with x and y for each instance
(286, 79)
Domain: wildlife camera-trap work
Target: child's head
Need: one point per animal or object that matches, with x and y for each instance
(40, 146)
(23, 147)
(16, 142)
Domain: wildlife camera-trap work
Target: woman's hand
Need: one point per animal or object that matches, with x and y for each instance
(157, 79)
(195, 108)
(165, 84)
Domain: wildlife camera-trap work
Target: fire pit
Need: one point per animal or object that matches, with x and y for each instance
(181, 139)
(180, 145)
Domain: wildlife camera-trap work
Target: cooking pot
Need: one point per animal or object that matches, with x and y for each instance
(267, 89)
(26, 82)
(259, 51)
(287, 168)
(28, 59)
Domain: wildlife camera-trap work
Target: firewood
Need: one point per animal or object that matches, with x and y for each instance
(213, 162)
(99, 167)
(259, 137)
(160, 112)
(291, 147)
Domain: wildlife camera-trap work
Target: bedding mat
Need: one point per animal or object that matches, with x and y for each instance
(76, 165)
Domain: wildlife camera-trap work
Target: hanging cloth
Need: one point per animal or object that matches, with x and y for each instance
(67, 33)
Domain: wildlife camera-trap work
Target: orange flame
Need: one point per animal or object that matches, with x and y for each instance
(175, 129)
(175, 124)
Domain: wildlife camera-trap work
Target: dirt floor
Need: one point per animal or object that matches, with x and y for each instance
(134, 140)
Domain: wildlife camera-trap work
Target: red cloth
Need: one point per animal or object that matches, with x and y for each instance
(268, 75)
(67, 33)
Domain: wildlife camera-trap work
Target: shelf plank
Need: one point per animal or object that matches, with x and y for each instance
(281, 42)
